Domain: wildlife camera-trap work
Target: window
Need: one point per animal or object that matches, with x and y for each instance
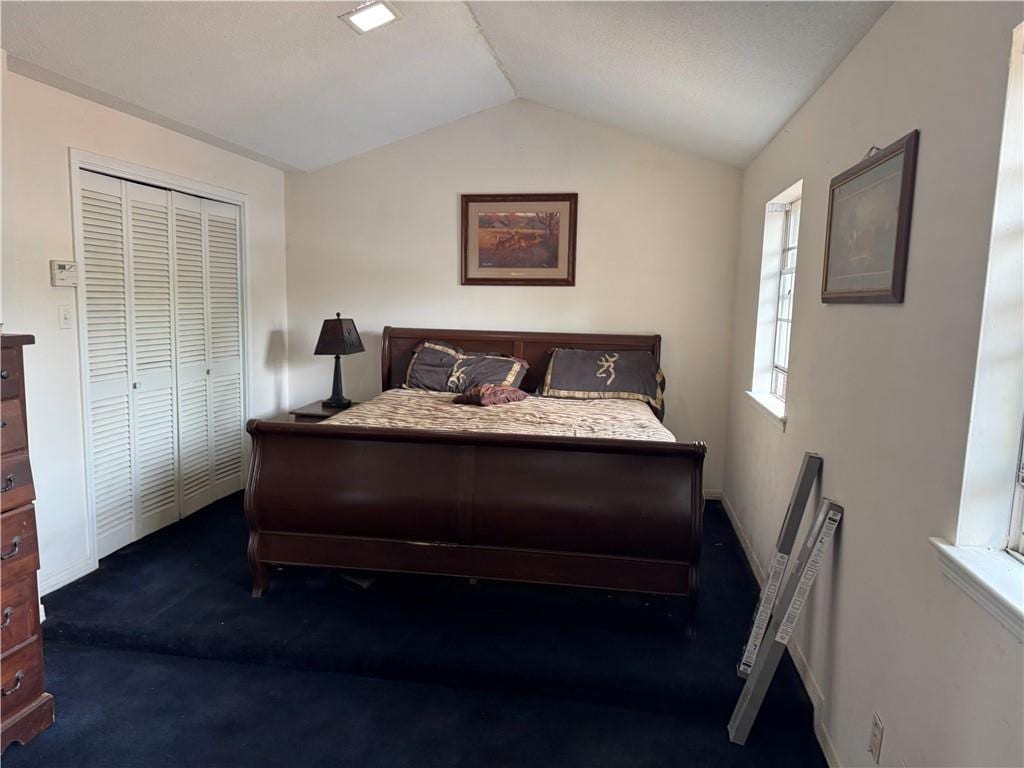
(985, 559)
(784, 307)
(770, 383)
(991, 513)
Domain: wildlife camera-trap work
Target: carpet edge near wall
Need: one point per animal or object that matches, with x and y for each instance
(803, 668)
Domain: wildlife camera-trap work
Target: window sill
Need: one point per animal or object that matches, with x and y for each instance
(992, 578)
(771, 406)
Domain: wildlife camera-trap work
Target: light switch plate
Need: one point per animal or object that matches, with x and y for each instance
(65, 317)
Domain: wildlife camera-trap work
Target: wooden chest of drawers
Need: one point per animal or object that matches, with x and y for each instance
(25, 709)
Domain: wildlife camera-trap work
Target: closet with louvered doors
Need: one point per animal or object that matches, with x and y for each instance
(160, 308)
(208, 322)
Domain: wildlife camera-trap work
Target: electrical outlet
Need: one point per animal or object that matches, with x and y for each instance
(65, 318)
(875, 743)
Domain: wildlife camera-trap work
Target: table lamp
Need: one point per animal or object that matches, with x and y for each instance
(338, 337)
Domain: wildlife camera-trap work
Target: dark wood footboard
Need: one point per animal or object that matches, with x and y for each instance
(611, 514)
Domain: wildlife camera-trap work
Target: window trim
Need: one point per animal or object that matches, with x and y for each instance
(981, 561)
(1015, 538)
(990, 577)
(774, 244)
(783, 370)
(992, 456)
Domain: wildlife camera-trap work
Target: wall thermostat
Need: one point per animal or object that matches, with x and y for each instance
(63, 274)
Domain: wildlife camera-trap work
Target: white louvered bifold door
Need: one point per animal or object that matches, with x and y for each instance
(153, 371)
(223, 223)
(160, 305)
(192, 326)
(104, 298)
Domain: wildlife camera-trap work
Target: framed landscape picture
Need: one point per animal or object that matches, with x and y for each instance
(519, 239)
(868, 230)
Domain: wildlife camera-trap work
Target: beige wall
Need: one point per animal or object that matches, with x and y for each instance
(40, 123)
(377, 238)
(884, 394)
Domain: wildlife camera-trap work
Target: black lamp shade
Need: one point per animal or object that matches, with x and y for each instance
(338, 336)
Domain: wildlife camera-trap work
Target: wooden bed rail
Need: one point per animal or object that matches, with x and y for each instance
(611, 514)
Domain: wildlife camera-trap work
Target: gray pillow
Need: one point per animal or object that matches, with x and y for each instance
(431, 366)
(586, 374)
(474, 370)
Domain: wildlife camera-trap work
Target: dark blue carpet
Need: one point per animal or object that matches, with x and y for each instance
(161, 658)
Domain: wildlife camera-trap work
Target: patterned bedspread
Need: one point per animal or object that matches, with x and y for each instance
(418, 409)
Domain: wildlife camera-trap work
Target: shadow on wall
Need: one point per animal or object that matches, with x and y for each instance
(310, 375)
(364, 370)
(276, 360)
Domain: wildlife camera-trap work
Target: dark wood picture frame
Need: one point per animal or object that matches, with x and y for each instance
(893, 294)
(569, 278)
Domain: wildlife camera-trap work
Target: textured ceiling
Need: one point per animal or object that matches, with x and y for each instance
(286, 81)
(718, 79)
(291, 84)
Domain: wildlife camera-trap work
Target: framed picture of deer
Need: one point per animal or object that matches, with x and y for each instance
(519, 239)
(868, 227)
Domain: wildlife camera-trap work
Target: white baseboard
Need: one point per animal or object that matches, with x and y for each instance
(795, 652)
(741, 534)
(57, 580)
(713, 495)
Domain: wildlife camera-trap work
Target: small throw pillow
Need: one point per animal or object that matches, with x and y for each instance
(490, 394)
(586, 374)
(473, 370)
(431, 366)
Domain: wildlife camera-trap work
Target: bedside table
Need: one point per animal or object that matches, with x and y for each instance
(315, 411)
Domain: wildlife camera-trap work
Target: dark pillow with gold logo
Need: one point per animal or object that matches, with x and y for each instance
(490, 394)
(586, 374)
(431, 365)
(473, 370)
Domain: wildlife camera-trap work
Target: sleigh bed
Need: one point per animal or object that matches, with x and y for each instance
(608, 513)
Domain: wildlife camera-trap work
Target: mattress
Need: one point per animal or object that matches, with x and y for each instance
(418, 409)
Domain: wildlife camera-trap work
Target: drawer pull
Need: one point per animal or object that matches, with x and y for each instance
(3, 423)
(8, 483)
(3, 374)
(8, 612)
(18, 677)
(15, 546)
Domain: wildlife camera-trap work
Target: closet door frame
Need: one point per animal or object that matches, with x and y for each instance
(81, 160)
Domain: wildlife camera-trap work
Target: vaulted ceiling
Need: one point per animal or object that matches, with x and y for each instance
(290, 84)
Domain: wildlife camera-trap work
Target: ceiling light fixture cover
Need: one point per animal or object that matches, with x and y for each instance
(369, 16)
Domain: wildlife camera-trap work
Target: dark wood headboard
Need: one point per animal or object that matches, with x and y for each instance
(534, 348)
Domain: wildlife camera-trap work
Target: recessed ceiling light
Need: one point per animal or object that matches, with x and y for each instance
(370, 15)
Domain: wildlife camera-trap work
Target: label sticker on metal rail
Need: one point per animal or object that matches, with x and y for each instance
(807, 577)
(764, 612)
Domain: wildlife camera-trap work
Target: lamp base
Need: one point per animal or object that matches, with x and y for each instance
(337, 398)
(336, 402)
